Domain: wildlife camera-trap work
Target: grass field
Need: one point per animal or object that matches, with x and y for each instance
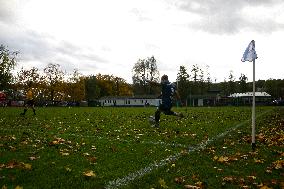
(117, 148)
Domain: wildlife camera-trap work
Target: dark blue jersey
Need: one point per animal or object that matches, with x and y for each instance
(168, 91)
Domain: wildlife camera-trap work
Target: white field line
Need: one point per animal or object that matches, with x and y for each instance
(153, 166)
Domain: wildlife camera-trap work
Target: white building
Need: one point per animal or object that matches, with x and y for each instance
(250, 94)
(129, 101)
(261, 98)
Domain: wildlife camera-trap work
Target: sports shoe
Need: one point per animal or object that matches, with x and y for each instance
(155, 125)
(151, 119)
(153, 122)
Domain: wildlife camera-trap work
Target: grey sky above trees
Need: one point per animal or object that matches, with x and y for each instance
(94, 37)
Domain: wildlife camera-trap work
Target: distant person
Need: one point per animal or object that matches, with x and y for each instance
(29, 101)
(3, 101)
(168, 93)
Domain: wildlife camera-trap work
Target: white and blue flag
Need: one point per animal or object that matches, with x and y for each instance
(250, 54)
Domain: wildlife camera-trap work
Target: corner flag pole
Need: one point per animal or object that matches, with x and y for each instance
(253, 110)
(250, 55)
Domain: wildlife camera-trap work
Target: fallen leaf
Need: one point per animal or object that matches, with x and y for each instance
(258, 160)
(64, 153)
(279, 164)
(89, 173)
(282, 184)
(27, 166)
(179, 180)
(228, 179)
(94, 148)
(191, 187)
(251, 177)
(162, 183)
(92, 159)
(223, 159)
(265, 187)
(32, 158)
(12, 164)
(199, 184)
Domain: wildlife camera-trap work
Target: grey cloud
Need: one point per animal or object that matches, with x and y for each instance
(6, 11)
(140, 15)
(30, 44)
(76, 52)
(36, 46)
(43, 48)
(224, 16)
(9, 9)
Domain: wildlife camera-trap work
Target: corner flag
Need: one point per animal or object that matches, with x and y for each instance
(250, 54)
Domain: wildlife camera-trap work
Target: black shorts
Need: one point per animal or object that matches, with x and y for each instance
(166, 108)
(30, 102)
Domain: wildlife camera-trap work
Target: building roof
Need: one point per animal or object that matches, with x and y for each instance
(250, 94)
(129, 97)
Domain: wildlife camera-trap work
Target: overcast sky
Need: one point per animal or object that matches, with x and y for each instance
(109, 36)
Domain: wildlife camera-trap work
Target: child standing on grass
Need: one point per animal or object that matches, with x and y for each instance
(169, 91)
(30, 103)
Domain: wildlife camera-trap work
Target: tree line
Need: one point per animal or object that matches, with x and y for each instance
(54, 84)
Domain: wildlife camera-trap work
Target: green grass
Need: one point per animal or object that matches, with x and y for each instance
(58, 146)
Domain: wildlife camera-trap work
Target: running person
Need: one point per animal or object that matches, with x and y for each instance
(30, 102)
(168, 93)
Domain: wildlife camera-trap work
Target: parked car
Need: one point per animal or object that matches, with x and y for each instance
(278, 102)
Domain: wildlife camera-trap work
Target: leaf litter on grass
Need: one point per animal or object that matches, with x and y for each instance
(267, 137)
(58, 142)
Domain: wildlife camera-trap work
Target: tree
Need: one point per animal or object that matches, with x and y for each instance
(25, 77)
(231, 83)
(76, 87)
(202, 87)
(106, 85)
(110, 85)
(208, 79)
(54, 80)
(275, 87)
(7, 63)
(183, 83)
(259, 85)
(145, 75)
(224, 88)
(197, 83)
(243, 83)
(194, 71)
(92, 90)
(121, 87)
